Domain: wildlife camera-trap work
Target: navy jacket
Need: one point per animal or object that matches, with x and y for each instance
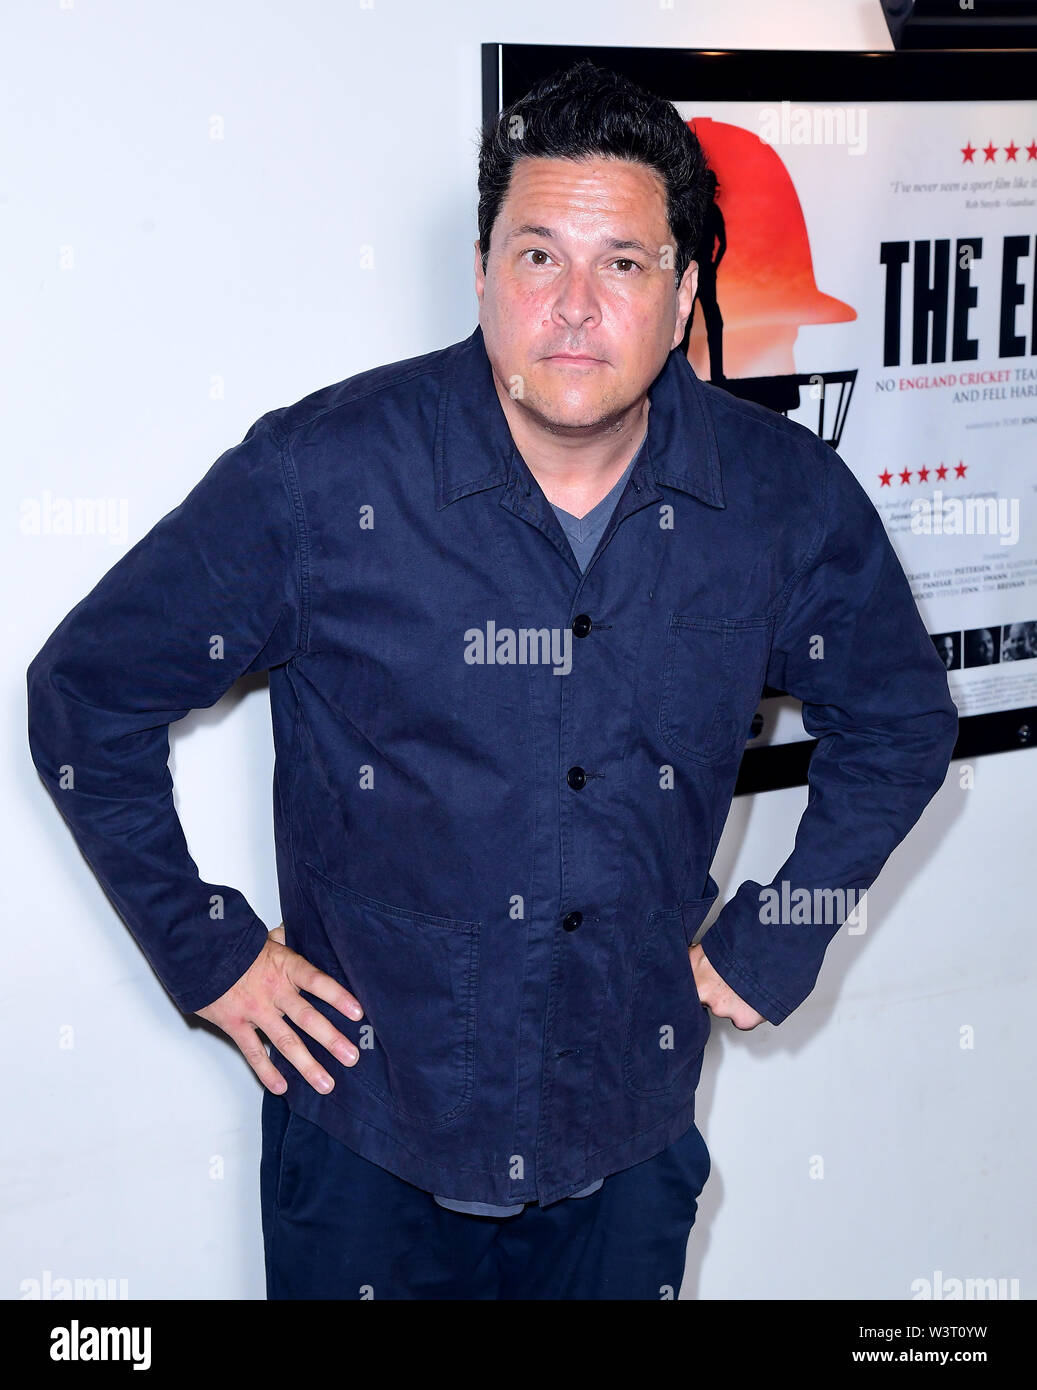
(500, 782)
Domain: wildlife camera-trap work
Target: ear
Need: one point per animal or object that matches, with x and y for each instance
(480, 278)
(686, 291)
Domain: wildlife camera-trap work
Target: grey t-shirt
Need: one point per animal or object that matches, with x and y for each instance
(583, 533)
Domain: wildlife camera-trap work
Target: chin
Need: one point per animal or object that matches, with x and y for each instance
(568, 417)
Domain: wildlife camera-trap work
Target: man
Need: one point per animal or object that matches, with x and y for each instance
(979, 647)
(946, 645)
(518, 599)
(1018, 643)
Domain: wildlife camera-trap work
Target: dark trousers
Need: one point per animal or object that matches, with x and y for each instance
(338, 1226)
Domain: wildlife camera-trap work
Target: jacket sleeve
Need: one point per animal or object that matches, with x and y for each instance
(212, 592)
(852, 646)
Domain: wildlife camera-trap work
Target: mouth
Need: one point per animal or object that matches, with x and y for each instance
(570, 359)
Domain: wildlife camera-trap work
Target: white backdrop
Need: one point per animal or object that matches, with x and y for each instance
(188, 197)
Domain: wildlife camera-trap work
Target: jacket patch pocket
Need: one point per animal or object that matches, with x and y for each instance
(415, 976)
(713, 676)
(667, 1023)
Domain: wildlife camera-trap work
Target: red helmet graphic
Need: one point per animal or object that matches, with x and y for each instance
(765, 285)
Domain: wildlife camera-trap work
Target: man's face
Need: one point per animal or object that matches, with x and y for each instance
(581, 262)
(947, 651)
(1016, 642)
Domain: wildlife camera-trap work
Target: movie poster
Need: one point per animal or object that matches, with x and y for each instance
(870, 271)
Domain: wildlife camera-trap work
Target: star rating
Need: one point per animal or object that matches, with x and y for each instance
(969, 150)
(886, 477)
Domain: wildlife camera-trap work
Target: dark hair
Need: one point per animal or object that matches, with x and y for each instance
(589, 111)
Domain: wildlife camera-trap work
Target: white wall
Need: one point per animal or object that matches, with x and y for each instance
(239, 259)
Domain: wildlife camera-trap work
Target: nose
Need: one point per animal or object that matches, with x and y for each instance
(576, 304)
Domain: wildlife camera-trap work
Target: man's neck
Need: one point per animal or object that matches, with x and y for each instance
(575, 474)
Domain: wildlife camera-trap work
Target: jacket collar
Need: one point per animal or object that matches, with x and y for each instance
(474, 448)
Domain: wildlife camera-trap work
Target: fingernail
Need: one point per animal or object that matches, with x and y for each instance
(325, 1082)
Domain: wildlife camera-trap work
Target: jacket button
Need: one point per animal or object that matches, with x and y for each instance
(572, 920)
(582, 624)
(577, 778)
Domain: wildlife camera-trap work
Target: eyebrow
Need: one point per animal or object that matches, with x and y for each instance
(548, 234)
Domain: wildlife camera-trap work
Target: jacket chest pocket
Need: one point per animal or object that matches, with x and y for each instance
(714, 671)
(667, 1023)
(415, 976)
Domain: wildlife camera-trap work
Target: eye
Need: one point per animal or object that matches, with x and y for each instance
(623, 261)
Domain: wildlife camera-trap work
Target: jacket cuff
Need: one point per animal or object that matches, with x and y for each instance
(745, 952)
(219, 976)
